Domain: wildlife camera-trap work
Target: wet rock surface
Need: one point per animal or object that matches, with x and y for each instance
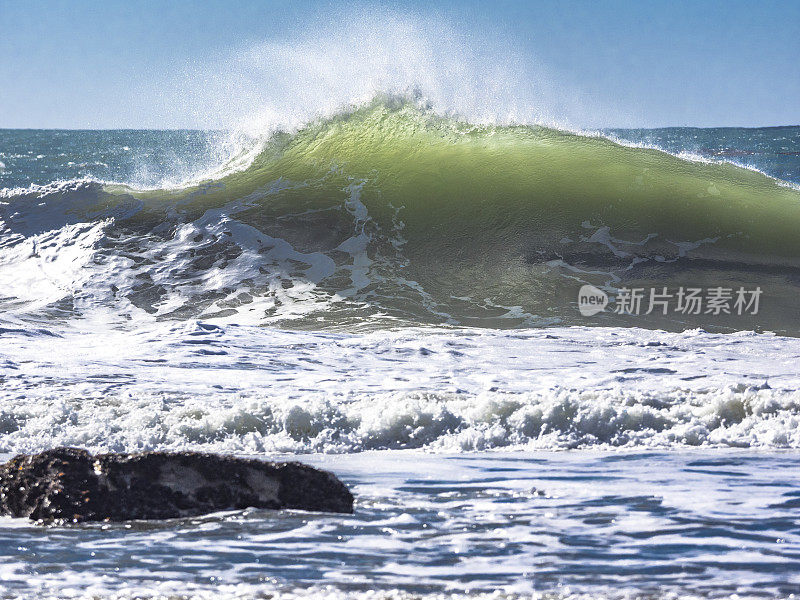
(72, 485)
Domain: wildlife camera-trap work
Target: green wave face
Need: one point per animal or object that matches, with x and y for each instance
(500, 226)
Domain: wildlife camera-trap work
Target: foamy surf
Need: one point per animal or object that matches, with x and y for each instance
(251, 390)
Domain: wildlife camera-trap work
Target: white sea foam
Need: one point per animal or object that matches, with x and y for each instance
(50, 254)
(255, 390)
(182, 591)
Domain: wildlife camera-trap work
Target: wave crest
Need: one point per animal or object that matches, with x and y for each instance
(394, 212)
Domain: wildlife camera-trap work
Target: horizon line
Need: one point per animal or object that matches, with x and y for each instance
(223, 129)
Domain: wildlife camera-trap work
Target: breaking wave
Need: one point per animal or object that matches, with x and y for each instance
(391, 213)
(562, 419)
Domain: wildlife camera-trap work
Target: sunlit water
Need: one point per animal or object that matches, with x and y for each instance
(710, 524)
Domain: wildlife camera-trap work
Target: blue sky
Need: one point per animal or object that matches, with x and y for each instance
(142, 63)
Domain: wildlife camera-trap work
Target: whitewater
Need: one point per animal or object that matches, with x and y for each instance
(378, 271)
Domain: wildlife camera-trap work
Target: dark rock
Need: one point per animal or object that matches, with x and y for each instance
(71, 485)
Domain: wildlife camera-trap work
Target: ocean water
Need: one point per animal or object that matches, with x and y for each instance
(393, 294)
(678, 524)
